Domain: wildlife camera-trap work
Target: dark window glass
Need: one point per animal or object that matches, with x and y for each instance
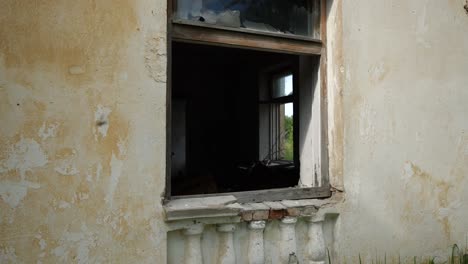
(293, 17)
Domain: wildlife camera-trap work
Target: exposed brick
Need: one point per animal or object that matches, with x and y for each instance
(260, 215)
(277, 214)
(247, 216)
(293, 211)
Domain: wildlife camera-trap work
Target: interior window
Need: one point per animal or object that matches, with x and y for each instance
(281, 105)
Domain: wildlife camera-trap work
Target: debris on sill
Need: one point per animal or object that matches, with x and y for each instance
(227, 206)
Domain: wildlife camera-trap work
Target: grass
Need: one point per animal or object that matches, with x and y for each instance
(458, 256)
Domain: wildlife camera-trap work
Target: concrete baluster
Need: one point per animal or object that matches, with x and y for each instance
(288, 240)
(256, 253)
(316, 249)
(193, 251)
(227, 254)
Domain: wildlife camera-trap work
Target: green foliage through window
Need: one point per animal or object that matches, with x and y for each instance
(289, 138)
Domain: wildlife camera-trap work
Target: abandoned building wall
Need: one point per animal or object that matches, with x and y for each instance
(82, 134)
(82, 131)
(398, 84)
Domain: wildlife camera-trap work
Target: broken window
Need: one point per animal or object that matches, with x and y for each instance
(295, 18)
(215, 121)
(245, 108)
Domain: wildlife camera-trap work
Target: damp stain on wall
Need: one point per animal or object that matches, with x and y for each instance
(71, 182)
(426, 194)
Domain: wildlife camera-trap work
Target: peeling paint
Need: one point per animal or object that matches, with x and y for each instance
(24, 156)
(48, 131)
(81, 196)
(155, 58)
(42, 242)
(66, 168)
(73, 80)
(122, 147)
(63, 205)
(94, 173)
(8, 255)
(79, 63)
(13, 193)
(101, 117)
(66, 164)
(117, 220)
(76, 246)
(116, 171)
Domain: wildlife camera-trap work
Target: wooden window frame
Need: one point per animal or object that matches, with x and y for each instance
(183, 31)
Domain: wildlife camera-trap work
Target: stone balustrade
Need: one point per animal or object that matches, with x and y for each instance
(256, 251)
(287, 249)
(316, 251)
(290, 232)
(193, 250)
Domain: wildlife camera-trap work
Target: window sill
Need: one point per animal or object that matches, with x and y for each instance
(229, 206)
(292, 193)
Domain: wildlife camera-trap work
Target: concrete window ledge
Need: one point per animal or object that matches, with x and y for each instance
(206, 208)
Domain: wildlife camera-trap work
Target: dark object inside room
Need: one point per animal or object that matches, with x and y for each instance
(216, 121)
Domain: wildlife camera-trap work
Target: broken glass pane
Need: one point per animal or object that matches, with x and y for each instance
(293, 17)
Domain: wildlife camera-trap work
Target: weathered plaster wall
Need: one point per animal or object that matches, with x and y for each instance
(82, 134)
(398, 84)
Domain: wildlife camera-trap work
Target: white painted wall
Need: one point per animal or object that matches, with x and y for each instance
(399, 96)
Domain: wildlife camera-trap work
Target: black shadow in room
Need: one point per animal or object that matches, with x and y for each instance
(218, 128)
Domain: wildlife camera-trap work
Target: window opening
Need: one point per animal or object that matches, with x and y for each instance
(245, 99)
(219, 120)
